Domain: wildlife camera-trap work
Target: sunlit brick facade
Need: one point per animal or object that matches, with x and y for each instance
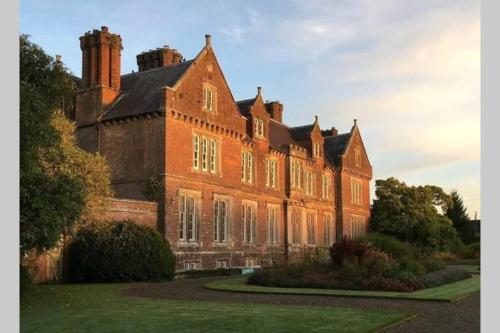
(239, 187)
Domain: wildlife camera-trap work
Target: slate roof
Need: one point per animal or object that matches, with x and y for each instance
(244, 106)
(300, 133)
(335, 146)
(141, 91)
(279, 136)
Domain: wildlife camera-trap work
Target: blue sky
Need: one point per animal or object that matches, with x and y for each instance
(409, 71)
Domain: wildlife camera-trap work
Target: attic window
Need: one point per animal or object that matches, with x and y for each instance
(209, 99)
(316, 149)
(259, 127)
(357, 158)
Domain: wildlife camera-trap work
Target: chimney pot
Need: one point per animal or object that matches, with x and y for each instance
(259, 90)
(58, 58)
(355, 122)
(104, 28)
(208, 40)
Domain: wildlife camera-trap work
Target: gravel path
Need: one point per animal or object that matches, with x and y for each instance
(457, 317)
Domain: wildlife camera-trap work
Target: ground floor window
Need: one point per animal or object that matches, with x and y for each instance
(358, 226)
(221, 263)
(329, 229)
(221, 221)
(191, 265)
(272, 225)
(187, 218)
(249, 262)
(248, 215)
(296, 226)
(311, 228)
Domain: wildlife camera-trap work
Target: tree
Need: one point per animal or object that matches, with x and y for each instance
(412, 214)
(49, 202)
(457, 213)
(91, 169)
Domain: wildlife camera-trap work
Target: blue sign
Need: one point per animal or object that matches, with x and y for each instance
(246, 271)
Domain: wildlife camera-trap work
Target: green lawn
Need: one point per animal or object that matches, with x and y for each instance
(449, 292)
(102, 308)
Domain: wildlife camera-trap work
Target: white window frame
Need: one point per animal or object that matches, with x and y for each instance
(247, 167)
(196, 151)
(249, 217)
(204, 153)
(208, 99)
(221, 263)
(221, 220)
(213, 156)
(272, 224)
(187, 218)
(356, 191)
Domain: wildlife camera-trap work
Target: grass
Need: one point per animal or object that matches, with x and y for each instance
(448, 292)
(102, 308)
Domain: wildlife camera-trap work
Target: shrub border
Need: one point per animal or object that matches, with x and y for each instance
(238, 285)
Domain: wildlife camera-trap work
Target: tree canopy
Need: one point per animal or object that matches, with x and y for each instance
(413, 214)
(58, 181)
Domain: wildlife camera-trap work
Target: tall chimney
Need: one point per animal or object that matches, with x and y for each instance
(161, 57)
(275, 109)
(101, 60)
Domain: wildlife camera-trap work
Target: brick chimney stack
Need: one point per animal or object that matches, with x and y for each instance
(275, 109)
(330, 132)
(101, 60)
(161, 57)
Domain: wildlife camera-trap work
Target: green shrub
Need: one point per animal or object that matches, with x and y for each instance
(392, 246)
(444, 276)
(200, 273)
(412, 266)
(432, 265)
(119, 252)
(25, 282)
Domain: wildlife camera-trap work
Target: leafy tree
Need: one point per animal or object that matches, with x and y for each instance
(49, 202)
(412, 214)
(91, 169)
(461, 221)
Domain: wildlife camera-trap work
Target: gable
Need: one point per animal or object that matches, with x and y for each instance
(355, 156)
(206, 72)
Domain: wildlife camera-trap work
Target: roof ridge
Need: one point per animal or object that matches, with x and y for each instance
(157, 68)
(245, 100)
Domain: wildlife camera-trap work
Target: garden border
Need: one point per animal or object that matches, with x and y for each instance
(237, 285)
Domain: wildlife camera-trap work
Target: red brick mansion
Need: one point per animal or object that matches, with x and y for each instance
(238, 187)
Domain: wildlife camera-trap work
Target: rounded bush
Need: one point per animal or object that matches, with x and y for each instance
(119, 252)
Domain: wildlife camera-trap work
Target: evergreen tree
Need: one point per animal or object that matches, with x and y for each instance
(457, 213)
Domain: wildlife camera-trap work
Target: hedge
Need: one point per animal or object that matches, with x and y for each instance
(119, 252)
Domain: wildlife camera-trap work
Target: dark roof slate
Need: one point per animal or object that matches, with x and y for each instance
(335, 146)
(301, 133)
(279, 136)
(244, 106)
(141, 91)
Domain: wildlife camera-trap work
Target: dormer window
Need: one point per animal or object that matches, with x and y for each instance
(259, 127)
(316, 149)
(209, 98)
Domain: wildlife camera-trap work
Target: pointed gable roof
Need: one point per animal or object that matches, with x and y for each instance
(335, 146)
(141, 91)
